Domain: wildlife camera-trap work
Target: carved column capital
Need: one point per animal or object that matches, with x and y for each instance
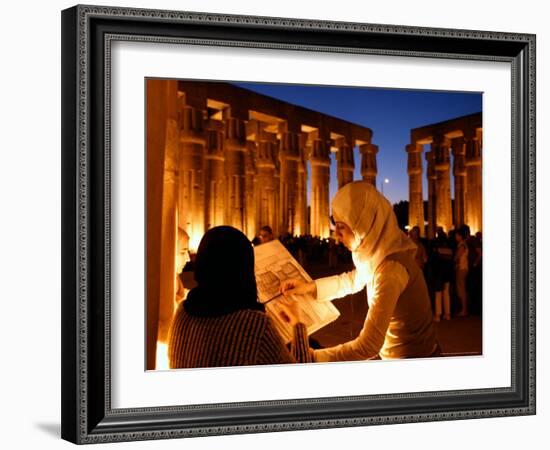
(266, 150)
(344, 156)
(191, 124)
(235, 134)
(440, 147)
(414, 164)
(290, 146)
(214, 139)
(369, 167)
(320, 153)
(458, 148)
(473, 147)
(430, 161)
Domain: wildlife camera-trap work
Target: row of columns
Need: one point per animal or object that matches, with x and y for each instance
(221, 168)
(227, 170)
(204, 171)
(224, 178)
(466, 151)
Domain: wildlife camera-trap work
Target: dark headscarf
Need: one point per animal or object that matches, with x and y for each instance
(224, 272)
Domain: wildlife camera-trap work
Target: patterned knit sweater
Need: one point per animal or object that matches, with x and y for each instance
(245, 337)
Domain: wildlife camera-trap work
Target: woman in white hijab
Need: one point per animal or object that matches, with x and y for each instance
(399, 320)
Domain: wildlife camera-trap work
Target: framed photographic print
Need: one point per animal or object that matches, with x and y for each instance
(259, 214)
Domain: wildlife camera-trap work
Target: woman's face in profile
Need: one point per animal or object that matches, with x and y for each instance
(182, 253)
(343, 233)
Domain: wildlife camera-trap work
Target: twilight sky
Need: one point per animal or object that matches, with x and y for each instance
(389, 113)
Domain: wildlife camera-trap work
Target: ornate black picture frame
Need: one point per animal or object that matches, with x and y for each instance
(87, 34)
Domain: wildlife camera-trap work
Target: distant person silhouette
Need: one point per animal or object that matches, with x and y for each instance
(266, 234)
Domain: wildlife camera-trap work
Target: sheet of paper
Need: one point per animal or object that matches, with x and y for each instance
(274, 264)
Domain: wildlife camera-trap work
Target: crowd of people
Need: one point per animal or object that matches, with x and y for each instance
(220, 323)
(452, 267)
(451, 264)
(410, 283)
(307, 248)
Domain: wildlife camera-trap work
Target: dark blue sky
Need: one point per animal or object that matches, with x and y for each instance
(389, 113)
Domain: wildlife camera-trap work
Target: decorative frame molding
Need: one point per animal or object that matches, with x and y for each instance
(87, 34)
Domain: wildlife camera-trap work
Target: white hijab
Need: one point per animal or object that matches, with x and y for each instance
(371, 218)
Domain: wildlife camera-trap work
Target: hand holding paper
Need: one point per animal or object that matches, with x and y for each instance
(291, 313)
(283, 286)
(292, 287)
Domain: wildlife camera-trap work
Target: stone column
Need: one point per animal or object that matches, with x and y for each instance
(277, 230)
(290, 157)
(443, 206)
(191, 173)
(459, 172)
(214, 174)
(235, 170)
(368, 162)
(346, 164)
(416, 201)
(431, 175)
(250, 190)
(168, 251)
(161, 198)
(473, 181)
(301, 219)
(267, 184)
(320, 178)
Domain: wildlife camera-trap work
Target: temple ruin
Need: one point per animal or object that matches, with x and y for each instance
(218, 154)
(461, 138)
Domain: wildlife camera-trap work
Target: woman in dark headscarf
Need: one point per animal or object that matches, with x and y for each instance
(221, 323)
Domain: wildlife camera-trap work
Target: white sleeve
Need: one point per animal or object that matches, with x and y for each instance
(390, 281)
(337, 286)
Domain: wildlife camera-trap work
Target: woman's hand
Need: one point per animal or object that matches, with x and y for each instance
(298, 287)
(291, 312)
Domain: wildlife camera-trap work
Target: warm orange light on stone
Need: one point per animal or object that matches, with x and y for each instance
(443, 208)
(320, 177)
(416, 201)
(244, 159)
(464, 136)
(369, 168)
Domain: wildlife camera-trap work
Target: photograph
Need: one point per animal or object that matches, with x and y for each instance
(280, 225)
(300, 223)
(275, 224)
